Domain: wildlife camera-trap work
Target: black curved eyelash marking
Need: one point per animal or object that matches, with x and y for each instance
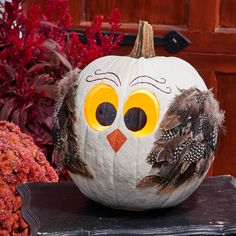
(167, 90)
(103, 78)
(96, 73)
(108, 72)
(161, 81)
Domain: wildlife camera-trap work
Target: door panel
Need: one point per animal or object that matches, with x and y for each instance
(226, 158)
(134, 10)
(227, 14)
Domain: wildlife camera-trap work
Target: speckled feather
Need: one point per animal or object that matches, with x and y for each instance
(186, 140)
(63, 132)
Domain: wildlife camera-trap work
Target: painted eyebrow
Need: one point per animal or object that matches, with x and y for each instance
(111, 76)
(153, 82)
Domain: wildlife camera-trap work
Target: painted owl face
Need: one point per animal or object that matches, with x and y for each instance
(120, 103)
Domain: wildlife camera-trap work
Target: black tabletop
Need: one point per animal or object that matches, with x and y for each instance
(61, 209)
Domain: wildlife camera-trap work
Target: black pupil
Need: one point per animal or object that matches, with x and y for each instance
(105, 113)
(135, 119)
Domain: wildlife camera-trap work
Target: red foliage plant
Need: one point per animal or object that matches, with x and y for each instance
(36, 50)
(20, 161)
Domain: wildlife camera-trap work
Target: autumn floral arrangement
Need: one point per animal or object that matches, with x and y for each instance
(36, 50)
(20, 161)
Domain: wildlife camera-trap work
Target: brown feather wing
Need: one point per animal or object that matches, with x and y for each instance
(63, 132)
(186, 140)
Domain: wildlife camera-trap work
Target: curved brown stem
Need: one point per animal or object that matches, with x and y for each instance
(144, 44)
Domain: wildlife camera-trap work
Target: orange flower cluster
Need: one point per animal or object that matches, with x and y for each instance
(21, 161)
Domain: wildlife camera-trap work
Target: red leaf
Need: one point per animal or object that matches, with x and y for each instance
(64, 61)
(48, 122)
(7, 109)
(48, 90)
(23, 118)
(7, 71)
(48, 23)
(15, 117)
(46, 86)
(27, 106)
(51, 45)
(38, 67)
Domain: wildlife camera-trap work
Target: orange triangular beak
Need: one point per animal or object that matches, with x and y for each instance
(116, 139)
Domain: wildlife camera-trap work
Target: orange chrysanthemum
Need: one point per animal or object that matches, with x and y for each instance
(21, 161)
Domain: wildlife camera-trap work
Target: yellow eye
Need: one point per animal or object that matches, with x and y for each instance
(100, 106)
(141, 112)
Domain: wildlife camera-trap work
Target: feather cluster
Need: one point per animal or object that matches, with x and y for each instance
(186, 140)
(63, 131)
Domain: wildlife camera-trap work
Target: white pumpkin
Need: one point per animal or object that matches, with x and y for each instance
(132, 129)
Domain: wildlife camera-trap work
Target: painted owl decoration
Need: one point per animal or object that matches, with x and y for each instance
(137, 132)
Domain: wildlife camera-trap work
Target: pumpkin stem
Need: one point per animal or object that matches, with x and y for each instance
(144, 44)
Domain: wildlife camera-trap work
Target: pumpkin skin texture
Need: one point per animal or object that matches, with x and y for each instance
(155, 162)
(116, 175)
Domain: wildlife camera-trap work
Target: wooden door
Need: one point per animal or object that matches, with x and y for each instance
(210, 25)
